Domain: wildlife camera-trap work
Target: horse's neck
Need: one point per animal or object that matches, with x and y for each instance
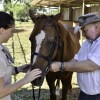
(70, 46)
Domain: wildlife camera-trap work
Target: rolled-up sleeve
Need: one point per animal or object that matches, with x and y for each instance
(76, 57)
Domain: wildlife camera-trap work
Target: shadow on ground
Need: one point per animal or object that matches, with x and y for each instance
(19, 30)
(25, 94)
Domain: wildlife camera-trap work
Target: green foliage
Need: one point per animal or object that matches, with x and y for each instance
(18, 8)
(21, 12)
(8, 7)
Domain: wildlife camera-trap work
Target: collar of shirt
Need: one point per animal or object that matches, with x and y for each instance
(91, 42)
(98, 39)
(9, 57)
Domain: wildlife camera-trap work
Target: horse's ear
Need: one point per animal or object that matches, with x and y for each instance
(58, 16)
(32, 15)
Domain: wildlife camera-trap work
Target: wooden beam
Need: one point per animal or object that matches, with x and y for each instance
(69, 3)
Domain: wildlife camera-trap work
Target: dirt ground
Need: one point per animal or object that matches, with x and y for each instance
(25, 93)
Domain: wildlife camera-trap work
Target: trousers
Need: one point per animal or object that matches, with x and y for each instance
(83, 96)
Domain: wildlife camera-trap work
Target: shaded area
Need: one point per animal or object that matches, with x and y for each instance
(26, 94)
(19, 30)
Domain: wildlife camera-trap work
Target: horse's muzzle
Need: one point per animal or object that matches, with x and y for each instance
(38, 81)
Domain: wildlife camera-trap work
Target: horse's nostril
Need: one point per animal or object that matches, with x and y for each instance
(38, 81)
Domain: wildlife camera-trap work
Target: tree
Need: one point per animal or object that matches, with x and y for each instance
(17, 7)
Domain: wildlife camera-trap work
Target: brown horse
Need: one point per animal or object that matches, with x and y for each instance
(50, 41)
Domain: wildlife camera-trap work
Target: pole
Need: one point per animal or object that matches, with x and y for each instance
(83, 10)
(83, 7)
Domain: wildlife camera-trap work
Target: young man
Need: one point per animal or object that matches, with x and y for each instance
(87, 61)
(7, 25)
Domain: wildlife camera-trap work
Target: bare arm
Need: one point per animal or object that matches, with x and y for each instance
(24, 68)
(81, 66)
(76, 66)
(8, 89)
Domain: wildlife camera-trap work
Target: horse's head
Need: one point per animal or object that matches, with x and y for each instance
(44, 40)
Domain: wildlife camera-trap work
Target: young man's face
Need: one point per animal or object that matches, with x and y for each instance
(7, 33)
(90, 31)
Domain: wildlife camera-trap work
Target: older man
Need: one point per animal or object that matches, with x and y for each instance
(87, 61)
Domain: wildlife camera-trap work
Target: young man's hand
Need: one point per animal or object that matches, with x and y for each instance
(32, 75)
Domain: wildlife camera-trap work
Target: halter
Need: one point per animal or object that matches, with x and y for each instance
(49, 58)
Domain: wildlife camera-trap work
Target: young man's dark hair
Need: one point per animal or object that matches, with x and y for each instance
(6, 20)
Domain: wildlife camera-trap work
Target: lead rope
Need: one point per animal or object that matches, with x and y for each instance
(39, 92)
(34, 92)
(33, 85)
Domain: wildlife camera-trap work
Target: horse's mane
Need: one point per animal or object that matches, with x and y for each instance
(71, 42)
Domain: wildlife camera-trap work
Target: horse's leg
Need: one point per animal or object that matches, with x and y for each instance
(51, 82)
(66, 85)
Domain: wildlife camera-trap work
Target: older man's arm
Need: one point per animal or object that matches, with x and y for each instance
(76, 66)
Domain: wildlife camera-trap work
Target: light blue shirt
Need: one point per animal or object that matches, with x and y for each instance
(89, 82)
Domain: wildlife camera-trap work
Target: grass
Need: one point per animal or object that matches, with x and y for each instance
(22, 33)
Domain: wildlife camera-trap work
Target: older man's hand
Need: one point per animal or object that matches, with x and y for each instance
(55, 66)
